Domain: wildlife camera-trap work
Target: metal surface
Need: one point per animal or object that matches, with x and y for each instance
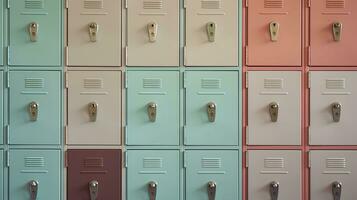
(93, 189)
(152, 31)
(211, 190)
(274, 190)
(33, 31)
(336, 190)
(93, 111)
(152, 190)
(274, 28)
(93, 29)
(211, 31)
(274, 111)
(337, 31)
(33, 109)
(336, 109)
(211, 111)
(33, 189)
(152, 111)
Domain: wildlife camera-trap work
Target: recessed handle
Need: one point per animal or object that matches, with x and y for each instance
(33, 28)
(336, 109)
(93, 111)
(211, 28)
(211, 111)
(274, 190)
(274, 28)
(33, 189)
(33, 110)
(336, 190)
(152, 29)
(211, 190)
(273, 111)
(337, 31)
(152, 111)
(152, 190)
(93, 29)
(93, 189)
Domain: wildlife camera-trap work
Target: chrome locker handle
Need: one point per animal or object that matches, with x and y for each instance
(211, 31)
(211, 111)
(211, 190)
(152, 29)
(336, 109)
(337, 31)
(93, 111)
(33, 31)
(93, 29)
(33, 110)
(152, 190)
(274, 190)
(152, 111)
(273, 111)
(33, 189)
(274, 28)
(93, 189)
(336, 190)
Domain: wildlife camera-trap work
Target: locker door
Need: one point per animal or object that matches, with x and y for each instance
(211, 33)
(153, 33)
(1, 107)
(152, 108)
(274, 108)
(333, 172)
(333, 32)
(35, 32)
(274, 173)
(153, 174)
(35, 173)
(94, 33)
(211, 108)
(274, 29)
(332, 108)
(94, 174)
(94, 108)
(35, 107)
(2, 178)
(211, 171)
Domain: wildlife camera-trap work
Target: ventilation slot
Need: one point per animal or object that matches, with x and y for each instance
(335, 3)
(211, 163)
(336, 163)
(34, 83)
(274, 162)
(152, 163)
(211, 83)
(210, 4)
(273, 83)
(273, 4)
(34, 4)
(152, 5)
(92, 83)
(88, 4)
(335, 83)
(94, 162)
(152, 83)
(34, 162)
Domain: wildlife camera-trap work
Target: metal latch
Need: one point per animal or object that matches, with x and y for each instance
(336, 109)
(93, 111)
(152, 190)
(93, 189)
(211, 190)
(211, 31)
(211, 111)
(274, 31)
(336, 190)
(93, 29)
(152, 111)
(274, 190)
(337, 31)
(152, 31)
(33, 189)
(33, 108)
(33, 31)
(274, 111)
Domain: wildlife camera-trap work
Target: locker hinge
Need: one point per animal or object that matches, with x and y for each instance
(246, 159)
(8, 54)
(308, 3)
(7, 134)
(246, 55)
(126, 135)
(126, 159)
(309, 55)
(246, 3)
(66, 80)
(126, 4)
(246, 80)
(8, 4)
(184, 134)
(185, 55)
(65, 134)
(66, 4)
(66, 55)
(247, 134)
(309, 79)
(184, 79)
(184, 159)
(309, 133)
(7, 79)
(66, 159)
(184, 4)
(126, 80)
(309, 158)
(126, 55)
(7, 158)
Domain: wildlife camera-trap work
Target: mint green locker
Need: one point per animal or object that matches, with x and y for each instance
(35, 32)
(2, 175)
(212, 174)
(1, 107)
(35, 107)
(153, 174)
(152, 108)
(34, 175)
(211, 108)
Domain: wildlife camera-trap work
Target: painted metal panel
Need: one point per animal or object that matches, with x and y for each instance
(153, 33)
(35, 107)
(2, 32)
(35, 32)
(274, 108)
(211, 96)
(274, 33)
(1, 107)
(94, 33)
(274, 173)
(211, 33)
(332, 33)
(332, 108)
(94, 108)
(35, 172)
(2, 178)
(153, 173)
(211, 171)
(152, 108)
(94, 172)
(331, 169)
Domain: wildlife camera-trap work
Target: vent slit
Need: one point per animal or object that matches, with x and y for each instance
(211, 163)
(211, 83)
(34, 82)
(93, 4)
(34, 4)
(34, 161)
(335, 4)
(273, 4)
(152, 162)
(152, 4)
(94, 162)
(274, 163)
(93, 83)
(152, 83)
(335, 83)
(336, 163)
(273, 83)
(208, 4)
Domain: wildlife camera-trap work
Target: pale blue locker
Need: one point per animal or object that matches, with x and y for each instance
(35, 32)
(152, 108)
(35, 107)
(1, 107)
(153, 174)
(211, 108)
(34, 174)
(2, 178)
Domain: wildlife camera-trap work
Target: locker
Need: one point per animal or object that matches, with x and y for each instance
(211, 174)
(211, 33)
(94, 33)
(35, 174)
(152, 108)
(274, 108)
(1, 107)
(274, 33)
(153, 174)
(35, 32)
(332, 108)
(94, 107)
(2, 178)
(332, 33)
(332, 175)
(274, 174)
(94, 174)
(211, 108)
(35, 107)
(153, 33)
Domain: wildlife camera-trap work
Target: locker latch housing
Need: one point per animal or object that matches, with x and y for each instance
(274, 190)
(33, 109)
(93, 111)
(274, 111)
(152, 190)
(274, 28)
(211, 190)
(336, 109)
(152, 111)
(152, 31)
(337, 31)
(211, 111)
(33, 31)
(211, 31)
(93, 29)
(336, 190)
(93, 189)
(33, 189)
